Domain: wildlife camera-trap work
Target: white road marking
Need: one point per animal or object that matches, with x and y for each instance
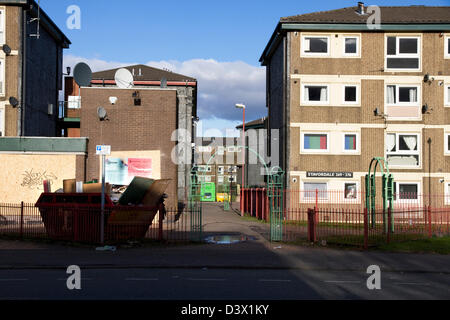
(274, 280)
(141, 279)
(4, 280)
(82, 279)
(342, 281)
(195, 279)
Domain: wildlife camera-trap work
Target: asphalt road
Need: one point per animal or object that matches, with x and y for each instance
(218, 284)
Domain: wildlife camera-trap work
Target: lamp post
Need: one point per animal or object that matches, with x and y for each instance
(242, 106)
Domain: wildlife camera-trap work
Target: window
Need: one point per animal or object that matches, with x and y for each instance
(447, 143)
(447, 47)
(406, 191)
(2, 121)
(350, 142)
(402, 95)
(231, 149)
(232, 179)
(350, 94)
(74, 102)
(403, 53)
(317, 94)
(220, 151)
(315, 142)
(221, 170)
(220, 179)
(310, 191)
(447, 95)
(2, 76)
(402, 150)
(204, 168)
(447, 193)
(204, 149)
(316, 45)
(350, 191)
(351, 46)
(2, 26)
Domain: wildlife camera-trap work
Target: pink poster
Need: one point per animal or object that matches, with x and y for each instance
(139, 167)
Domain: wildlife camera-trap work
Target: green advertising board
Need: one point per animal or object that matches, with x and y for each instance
(208, 192)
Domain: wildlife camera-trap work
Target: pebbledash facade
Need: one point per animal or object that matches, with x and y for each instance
(341, 94)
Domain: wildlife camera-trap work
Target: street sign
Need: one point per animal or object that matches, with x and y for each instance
(103, 150)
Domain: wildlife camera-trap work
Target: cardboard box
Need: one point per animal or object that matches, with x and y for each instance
(96, 188)
(69, 185)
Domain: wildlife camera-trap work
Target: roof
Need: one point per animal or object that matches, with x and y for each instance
(216, 141)
(45, 21)
(392, 18)
(390, 14)
(259, 123)
(147, 74)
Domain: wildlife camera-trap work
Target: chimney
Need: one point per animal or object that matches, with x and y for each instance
(361, 7)
(140, 72)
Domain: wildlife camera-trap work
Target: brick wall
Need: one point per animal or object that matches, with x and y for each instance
(131, 128)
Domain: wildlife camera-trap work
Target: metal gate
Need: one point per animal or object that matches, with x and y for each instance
(276, 203)
(195, 207)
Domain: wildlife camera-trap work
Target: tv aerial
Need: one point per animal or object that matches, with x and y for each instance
(82, 74)
(124, 79)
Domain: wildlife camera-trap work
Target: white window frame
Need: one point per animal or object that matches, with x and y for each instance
(403, 55)
(446, 54)
(358, 198)
(313, 103)
(357, 151)
(313, 199)
(221, 169)
(404, 152)
(397, 95)
(357, 37)
(447, 193)
(357, 94)
(3, 24)
(231, 149)
(2, 121)
(205, 149)
(2, 77)
(315, 54)
(446, 95)
(407, 201)
(312, 151)
(446, 149)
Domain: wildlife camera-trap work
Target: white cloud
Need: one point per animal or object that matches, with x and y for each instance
(221, 85)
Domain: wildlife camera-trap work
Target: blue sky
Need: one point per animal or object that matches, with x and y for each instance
(218, 42)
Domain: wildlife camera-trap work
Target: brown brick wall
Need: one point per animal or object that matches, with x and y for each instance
(131, 128)
(12, 70)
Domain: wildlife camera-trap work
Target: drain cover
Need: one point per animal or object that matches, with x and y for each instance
(228, 239)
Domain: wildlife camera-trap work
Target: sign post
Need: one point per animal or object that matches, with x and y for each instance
(103, 151)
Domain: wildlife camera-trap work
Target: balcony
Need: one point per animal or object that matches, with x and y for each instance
(69, 111)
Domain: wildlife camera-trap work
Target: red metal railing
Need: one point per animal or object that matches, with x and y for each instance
(342, 217)
(82, 224)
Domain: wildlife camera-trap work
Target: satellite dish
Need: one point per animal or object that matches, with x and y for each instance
(124, 79)
(6, 49)
(13, 101)
(101, 112)
(82, 74)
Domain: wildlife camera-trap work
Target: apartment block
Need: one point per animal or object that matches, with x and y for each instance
(344, 87)
(31, 55)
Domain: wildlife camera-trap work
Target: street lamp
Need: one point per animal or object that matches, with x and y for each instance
(242, 106)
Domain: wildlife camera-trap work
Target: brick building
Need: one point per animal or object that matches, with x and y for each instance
(30, 69)
(341, 93)
(140, 127)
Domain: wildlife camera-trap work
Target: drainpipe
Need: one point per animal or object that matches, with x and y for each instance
(22, 82)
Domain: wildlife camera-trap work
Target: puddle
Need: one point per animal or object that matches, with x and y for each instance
(228, 239)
